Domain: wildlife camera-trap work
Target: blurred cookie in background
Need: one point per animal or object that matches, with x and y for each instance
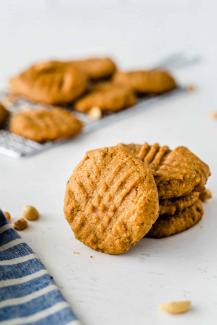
(147, 81)
(50, 82)
(108, 96)
(44, 124)
(97, 67)
(4, 114)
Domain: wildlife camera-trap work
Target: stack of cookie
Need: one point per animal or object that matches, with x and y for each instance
(120, 194)
(180, 177)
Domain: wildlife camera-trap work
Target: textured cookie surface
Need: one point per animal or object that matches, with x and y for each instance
(3, 114)
(174, 205)
(97, 68)
(43, 124)
(147, 81)
(111, 200)
(108, 97)
(170, 225)
(177, 172)
(51, 82)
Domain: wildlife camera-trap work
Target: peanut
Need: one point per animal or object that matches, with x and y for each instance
(176, 307)
(21, 224)
(95, 113)
(7, 215)
(30, 213)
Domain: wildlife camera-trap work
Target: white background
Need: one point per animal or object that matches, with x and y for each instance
(122, 290)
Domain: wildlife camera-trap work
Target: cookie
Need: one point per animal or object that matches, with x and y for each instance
(147, 81)
(108, 96)
(111, 200)
(174, 205)
(167, 225)
(177, 172)
(97, 68)
(50, 82)
(3, 115)
(44, 125)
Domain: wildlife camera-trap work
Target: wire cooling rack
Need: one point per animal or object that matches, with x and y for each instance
(16, 146)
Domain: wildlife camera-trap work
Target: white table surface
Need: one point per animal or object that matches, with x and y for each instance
(122, 290)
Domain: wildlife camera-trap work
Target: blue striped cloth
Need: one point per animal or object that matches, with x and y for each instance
(28, 294)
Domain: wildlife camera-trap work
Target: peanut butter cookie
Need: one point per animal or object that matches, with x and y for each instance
(111, 200)
(108, 96)
(174, 205)
(97, 68)
(147, 81)
(3, 114)
(50, 82)
(167, 225)
(177, 172)
(44, 125)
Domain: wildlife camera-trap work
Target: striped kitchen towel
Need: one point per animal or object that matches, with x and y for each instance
(28, 294)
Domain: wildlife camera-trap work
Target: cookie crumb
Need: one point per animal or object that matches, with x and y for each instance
(176, 307)
(214, 116)
(205, 195)
(30, 213)
(7, 216)
(20, 224)
(76, 253)
(95, 113)
(191, 87)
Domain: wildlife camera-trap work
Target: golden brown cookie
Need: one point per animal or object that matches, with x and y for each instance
(167, 225)
(50, 82)
(108, 96)
(3, 114)
(111, 200)
(177, 172)
(147, 81)
(174, 205)
(97, 68)
(44, 125)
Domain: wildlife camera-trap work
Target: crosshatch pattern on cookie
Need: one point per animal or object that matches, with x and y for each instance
(111, 200)
(45, 124)
(177, 172)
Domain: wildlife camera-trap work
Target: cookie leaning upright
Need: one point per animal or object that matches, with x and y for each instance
(111, 200)
(50, 82)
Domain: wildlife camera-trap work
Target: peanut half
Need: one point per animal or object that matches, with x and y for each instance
(95, 113)
(30, 213)
(176, 307)
(7, 216)
(21, 224)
